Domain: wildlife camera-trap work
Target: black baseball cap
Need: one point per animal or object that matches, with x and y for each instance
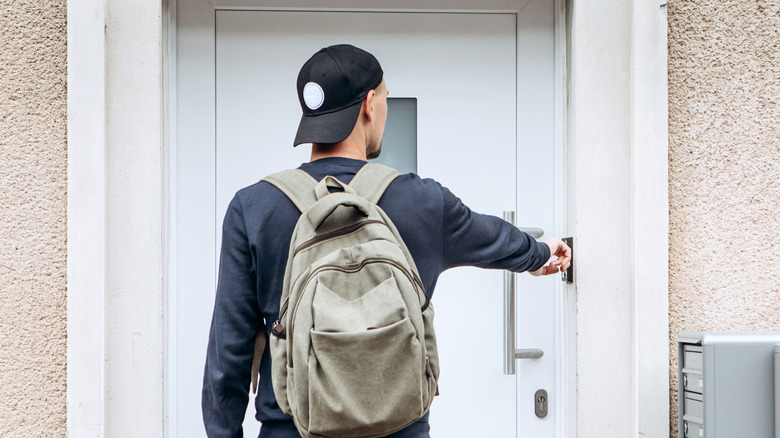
(331, 87)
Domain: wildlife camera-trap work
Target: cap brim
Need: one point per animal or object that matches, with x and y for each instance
(328, 128)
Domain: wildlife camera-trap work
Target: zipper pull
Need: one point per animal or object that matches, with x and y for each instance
(278, 330)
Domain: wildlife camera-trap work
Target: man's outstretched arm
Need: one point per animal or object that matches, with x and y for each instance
(473, 239)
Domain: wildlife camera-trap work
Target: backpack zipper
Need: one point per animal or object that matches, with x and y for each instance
(277, 328)
(342, 231)
(416, 282)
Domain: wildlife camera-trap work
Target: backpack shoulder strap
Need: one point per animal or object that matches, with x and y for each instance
(297, 185)
(372, 180)
(257, 359)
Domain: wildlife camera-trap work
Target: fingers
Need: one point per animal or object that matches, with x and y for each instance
(562, 253)
(545, 270)
(550, 269)
(562, 262)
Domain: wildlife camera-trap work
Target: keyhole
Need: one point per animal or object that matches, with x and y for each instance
(541, 403)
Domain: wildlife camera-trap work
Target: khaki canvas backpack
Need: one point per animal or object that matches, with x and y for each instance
(353, 351)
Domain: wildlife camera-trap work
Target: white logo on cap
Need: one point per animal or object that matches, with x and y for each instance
(313, 95)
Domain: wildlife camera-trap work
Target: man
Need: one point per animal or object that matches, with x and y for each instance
(343, 96)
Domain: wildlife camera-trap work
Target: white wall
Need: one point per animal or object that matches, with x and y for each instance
(618, 171)
(115, 197)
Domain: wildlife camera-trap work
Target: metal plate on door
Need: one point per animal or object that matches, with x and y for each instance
(567, 276)
(541, 401)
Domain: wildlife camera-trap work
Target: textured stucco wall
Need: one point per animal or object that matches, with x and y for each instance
(724, 168)
(32, 217)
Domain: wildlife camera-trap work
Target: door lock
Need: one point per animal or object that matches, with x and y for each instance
(541, 403)
(567, 276)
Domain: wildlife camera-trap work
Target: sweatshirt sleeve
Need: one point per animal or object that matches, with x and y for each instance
(233, 329)
(473, 239)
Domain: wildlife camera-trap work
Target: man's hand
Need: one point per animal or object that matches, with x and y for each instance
(562, 254)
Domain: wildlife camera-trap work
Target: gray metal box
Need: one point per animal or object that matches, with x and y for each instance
(727, 385)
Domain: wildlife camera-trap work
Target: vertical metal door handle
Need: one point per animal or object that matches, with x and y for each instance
(510, 353)
(509, 312)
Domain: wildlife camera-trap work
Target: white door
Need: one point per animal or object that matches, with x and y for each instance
(459, 73)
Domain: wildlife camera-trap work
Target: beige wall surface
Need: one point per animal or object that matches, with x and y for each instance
(32, 217)
(724, 168)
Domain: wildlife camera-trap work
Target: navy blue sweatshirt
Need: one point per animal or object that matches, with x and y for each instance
(439, 230)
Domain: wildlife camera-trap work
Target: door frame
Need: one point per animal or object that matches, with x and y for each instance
(613, 123)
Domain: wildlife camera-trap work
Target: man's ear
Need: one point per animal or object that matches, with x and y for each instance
(368, 105)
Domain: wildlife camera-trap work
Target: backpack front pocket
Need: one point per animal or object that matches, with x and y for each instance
(348, 374)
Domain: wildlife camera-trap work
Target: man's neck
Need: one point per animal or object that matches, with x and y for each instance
(344, 149)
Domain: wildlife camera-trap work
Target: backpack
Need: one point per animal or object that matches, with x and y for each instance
(353, 350)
